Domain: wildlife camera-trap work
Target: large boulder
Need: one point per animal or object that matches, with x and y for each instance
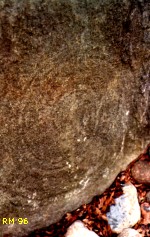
(74, 103)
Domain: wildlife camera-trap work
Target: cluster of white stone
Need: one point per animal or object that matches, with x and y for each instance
(123, 215)
(77, 229)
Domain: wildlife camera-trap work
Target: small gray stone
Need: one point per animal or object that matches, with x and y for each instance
(126, 213)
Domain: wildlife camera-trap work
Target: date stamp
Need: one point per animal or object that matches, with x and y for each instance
(20, 221)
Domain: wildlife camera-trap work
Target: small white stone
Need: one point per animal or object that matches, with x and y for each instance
(34, 195)
(84, 139)
(77, 229)
(105, 173)
(129, 232)
(126, 211)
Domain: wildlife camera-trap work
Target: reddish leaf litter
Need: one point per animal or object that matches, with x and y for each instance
(93, 214)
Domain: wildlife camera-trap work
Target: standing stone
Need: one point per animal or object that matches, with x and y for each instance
(74, 103)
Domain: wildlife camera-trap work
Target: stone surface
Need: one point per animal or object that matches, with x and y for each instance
(145, 210)
(129, 232)
(141, 172)
(78, 229)
(126, 211)
(148, 196)
(74, 102)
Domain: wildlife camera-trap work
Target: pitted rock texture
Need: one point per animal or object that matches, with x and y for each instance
(74, 102)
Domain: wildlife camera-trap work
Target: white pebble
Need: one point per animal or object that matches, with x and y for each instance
(126, 211)
(77, 229)
(129, 233)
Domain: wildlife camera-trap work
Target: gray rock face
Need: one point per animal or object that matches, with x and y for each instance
(74, 103)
